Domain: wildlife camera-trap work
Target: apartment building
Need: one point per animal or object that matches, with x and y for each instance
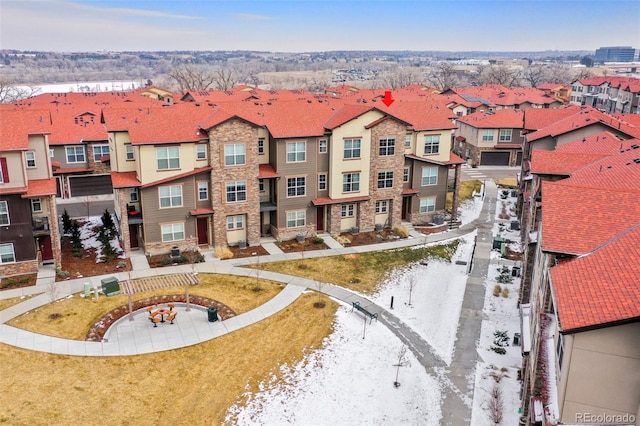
(612, 94)
(29, 233)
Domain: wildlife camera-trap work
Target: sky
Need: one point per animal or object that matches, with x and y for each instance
(308, 26)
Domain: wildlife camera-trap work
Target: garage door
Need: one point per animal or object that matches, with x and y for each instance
(494, 158)
(90, 185)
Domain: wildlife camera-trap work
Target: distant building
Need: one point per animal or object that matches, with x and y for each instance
(616, 54)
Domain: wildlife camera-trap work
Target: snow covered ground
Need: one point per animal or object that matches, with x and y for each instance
(89, 237)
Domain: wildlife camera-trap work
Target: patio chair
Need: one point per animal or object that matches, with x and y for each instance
(171, 317)
(155, 320)
(171, 306)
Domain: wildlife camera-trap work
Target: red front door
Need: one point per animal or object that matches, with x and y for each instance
(45, 248)
(320, 218)
(203, 238)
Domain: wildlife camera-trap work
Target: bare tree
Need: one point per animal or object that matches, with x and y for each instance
(224, 78)
(502, 75)
(496, 404)
(443, 76)
(403, 361)
(52, 294)
(534, 75)
(10, 93)
(559, 73)
(401, 77)
(583, 73)
(193, 77)
(412, 285)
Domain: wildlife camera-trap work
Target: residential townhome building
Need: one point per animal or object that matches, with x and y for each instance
(609, 94)
(502, 97)
(29, 232)
(583, 307)
(493, 138)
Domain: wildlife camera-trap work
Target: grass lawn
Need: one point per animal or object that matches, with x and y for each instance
(194, 385)
(507, 182)
(359, 272)
(78, 315)
(467, 187)
(5, 303)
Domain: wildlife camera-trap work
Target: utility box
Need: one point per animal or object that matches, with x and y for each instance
(110, 286)
(497, 243)
(87, 289)
(515, 225)
(437, 219)
(212, 313)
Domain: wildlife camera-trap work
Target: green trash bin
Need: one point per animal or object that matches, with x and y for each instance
(110, 286)
(212, 312)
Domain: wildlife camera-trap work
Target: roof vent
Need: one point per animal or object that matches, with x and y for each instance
(636, 160)
(635, 146)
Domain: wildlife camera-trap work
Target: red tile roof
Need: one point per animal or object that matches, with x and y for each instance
(201, 211)
(40, 187)
(409, 191)
(178, 176)
(15, 190)
(321, 201)
(267, 171)
(501, 119)
(537, 118)
(453, 159)
(17, 124)
(124, 180)
(602, 287)
(58, 171)
(559, 163)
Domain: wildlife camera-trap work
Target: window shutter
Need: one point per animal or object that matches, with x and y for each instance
(5, 170)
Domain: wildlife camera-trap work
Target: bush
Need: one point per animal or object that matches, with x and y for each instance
(401, 231)
(317, 240)
(62, 274)
(223, 253)
(199, 258)
(497, 290)
(505, 292)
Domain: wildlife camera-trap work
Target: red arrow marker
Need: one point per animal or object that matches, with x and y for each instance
(387, 100)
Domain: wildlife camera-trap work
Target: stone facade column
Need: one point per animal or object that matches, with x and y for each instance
(54, 229)
(334, 214)
(456, 192)
(124, 224)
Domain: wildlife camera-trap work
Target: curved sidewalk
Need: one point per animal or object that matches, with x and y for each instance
(193, 326)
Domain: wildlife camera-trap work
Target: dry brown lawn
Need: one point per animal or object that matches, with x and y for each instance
(507, 182)
(194, 385)
(465, 192)
(77, 315)
(5, 303)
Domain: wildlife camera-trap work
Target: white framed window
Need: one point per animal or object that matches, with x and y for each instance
(260, 146)
(30, 159)
(407, 140)
(387, 146)
(129, 151)
(347, 210)
(296, 186)
(51, 153)
(429, 176)
(351, 182)
(4, 176)
(203, 191)
(261, 185)
(385, 179)
(427, 205)
(201, 151)
(487, 135)
(382, 206)
(170, 196)
(36, 205)
(352, 148)
(134, 195)
(432, 144)
(7, 255)
(99, 151)
(168, 157)
(235, 222)
(236, 191)
(4, 213)
(173, 232)
(296, 152)
(235, 154)
(322, 182)
(322, 146)
(405, 175)
(296, 219)
(75, 154)
(504, 135)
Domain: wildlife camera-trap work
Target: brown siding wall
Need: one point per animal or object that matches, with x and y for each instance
(20, 230)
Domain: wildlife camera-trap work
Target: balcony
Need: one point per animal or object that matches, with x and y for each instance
(134, 217)
(40, 226)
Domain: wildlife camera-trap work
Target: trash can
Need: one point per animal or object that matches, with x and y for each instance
(175, 251)
(212, 313)
(110, 286)
(516, 339)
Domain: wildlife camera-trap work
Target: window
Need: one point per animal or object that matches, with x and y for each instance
(235, 222)
(173, 232)
(260, 146)
(168, 157)
(203, 191)
(352, 148)
(429, 176)
(296, 152)
(6, 253)
(261, 185)
(347, 210)
(407, 140)
(560, 350)
(51, 153)
(234, 154)
(129, 150)
(75, 154)
(36, 205)
(170, 196)
(487, 135)
(427, 205)
(99, 151)
(296, 219)
(432, 144)
(30, 158)
(382, 206)
(296, 186)
(201, 151)
(405, 175)
(387, 146)
(4, 171)
(134, 195)
(322, 182)
(351, 182)
(385, 179)
(4, 213)
(236, 191)
(322, 146)
(505, 135)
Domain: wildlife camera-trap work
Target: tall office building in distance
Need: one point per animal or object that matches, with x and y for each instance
(616, 54)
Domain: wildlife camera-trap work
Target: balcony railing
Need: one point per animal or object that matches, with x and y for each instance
(40, 225)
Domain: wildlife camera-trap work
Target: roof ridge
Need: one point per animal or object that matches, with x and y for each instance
(611, 240)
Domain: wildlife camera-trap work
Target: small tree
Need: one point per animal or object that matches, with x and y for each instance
(108, 224)
(412, 284)
(76, 241)
(496, 404)
(66, 222)
(403, 361)
(52, 294)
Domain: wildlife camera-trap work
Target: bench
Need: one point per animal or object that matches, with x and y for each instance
(356, 305)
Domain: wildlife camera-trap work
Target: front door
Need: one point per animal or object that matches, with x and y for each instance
(203, 237)
(320, 218)
(133, 236)
(45, 249)
(406, 205)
